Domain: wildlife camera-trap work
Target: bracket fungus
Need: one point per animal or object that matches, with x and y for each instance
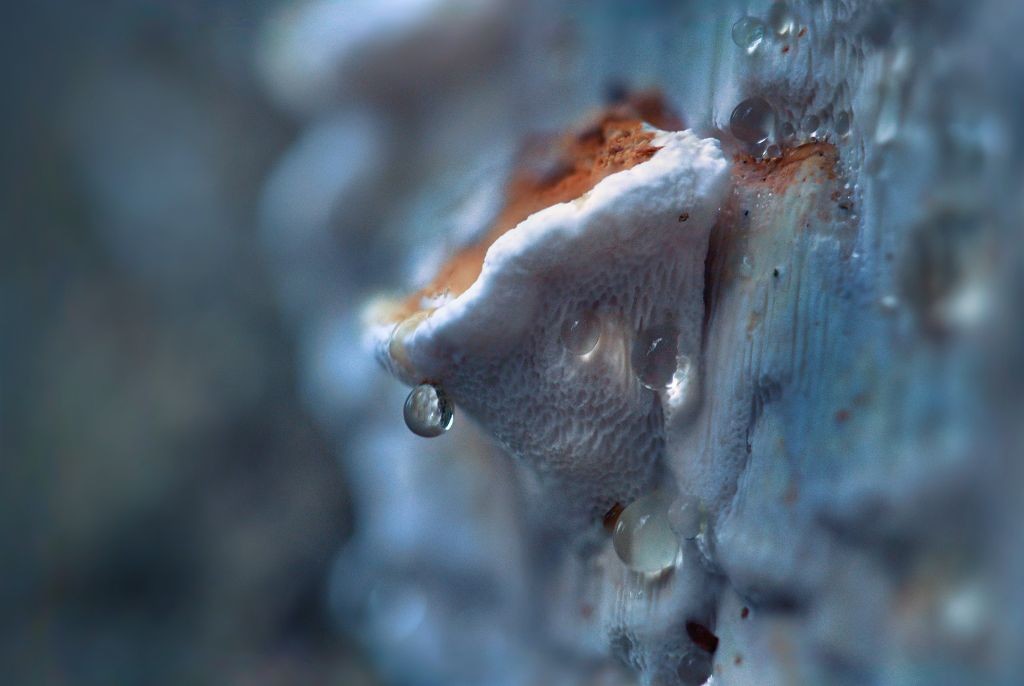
(538, 330)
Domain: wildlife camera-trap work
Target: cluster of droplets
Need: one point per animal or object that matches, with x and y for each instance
(761, 129)
(753, 33)
(654, 354)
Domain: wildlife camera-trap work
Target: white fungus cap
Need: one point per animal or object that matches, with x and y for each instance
(632, 251)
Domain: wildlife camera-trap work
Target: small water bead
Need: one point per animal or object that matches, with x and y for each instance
(581, 332)
(685, 517)
(781, 19)
(842, 124)
(773, 152)
(428, 411)
(748, 33)
(752, 121)
(787, 132)
(643, 539)
(654, 355)
(809, 124)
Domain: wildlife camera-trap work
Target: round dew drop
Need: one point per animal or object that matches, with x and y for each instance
(809, 125)
(752, 121)
(748, 33)
(787, 132)
(643, 539)
(685, 517)
(781, 19)
(581, 332)
(842, 123)
(654, 356)
(428, 411)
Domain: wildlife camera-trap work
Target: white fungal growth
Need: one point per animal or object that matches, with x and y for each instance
(631, 252)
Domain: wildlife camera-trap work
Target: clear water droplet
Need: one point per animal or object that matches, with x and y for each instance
(748, 33)
(694, 667)
(581, 332)
(773, 152)
(643, 539)
(810, 124)
(654, 356)
(685, 517)
(842, 123)
(781, 19)
(752, 121)
(428, 411)
(787, 132)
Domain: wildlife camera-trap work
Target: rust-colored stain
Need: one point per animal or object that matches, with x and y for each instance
(785, 48)
(803, 32)
(611, 517)
(558, 169)
(797, 165)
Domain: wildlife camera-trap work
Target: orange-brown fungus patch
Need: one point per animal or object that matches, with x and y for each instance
(779, 174)
(552, 171)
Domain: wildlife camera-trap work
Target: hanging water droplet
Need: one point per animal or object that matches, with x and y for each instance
(781, 18)
(773, 152)
(428, 411)
(842, 123)
(643, 539)
(748, 33)
(654, 356)
(752, 121)
(581, 332)
(809, 124)
(685, 517)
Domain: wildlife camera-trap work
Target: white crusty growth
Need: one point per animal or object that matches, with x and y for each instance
(631, 250)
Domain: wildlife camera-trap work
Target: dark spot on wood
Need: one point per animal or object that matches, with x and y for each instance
(684, 216)
(785, 48)
(746, 213)
(702, 636)
(744, 613)
(612, 516)
(844, 206)
(842, 416)
(775, 272)
(803, 32)
(737, 660)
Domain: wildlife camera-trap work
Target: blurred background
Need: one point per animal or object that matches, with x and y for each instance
(206, 477)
